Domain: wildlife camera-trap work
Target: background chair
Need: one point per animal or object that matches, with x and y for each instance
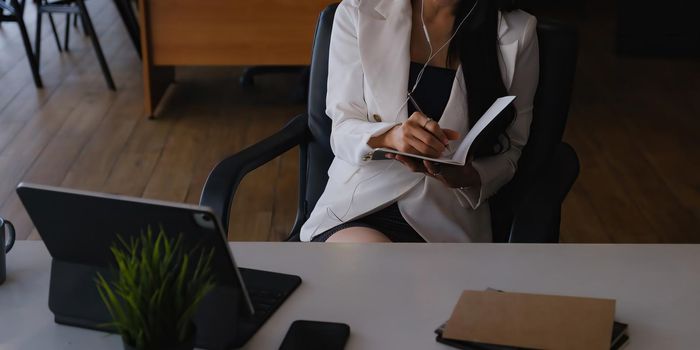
(13, 11)
(528, 209)
(77, 8)
(128, 13)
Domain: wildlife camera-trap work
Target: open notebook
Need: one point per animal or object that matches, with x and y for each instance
(459, 157)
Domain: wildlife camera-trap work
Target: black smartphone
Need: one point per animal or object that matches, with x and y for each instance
(313, 335)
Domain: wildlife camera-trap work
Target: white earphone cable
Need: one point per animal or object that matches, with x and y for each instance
(430, 46)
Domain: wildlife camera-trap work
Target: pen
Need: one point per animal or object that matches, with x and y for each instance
(415, 105)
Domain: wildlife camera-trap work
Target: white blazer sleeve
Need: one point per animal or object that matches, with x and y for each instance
(498, 170)
(345, 103)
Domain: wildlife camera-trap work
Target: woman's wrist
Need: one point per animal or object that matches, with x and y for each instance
(471, 177)
(384, 140)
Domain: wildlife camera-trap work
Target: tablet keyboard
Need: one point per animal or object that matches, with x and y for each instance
(265, 300)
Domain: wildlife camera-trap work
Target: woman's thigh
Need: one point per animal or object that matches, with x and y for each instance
(358, 234)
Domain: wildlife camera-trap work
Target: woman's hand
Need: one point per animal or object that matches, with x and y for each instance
(418, 135)
(453, 176)
(421, 135)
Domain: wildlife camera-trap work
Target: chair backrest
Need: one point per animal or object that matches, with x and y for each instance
(558, 51)
(317, 154)
(557, 63)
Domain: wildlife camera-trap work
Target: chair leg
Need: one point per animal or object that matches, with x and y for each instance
(37, 41)
(95, 43)
(82, 23)
(130, 22)
(33, 59)
(67, 34)
(83, 26)
(55, 32)
(75, 22)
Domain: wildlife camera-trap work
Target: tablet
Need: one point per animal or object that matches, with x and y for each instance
(80, 227)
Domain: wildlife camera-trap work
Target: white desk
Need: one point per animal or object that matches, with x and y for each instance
(394, 295)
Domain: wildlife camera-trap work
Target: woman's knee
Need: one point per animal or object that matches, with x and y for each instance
(358, 235)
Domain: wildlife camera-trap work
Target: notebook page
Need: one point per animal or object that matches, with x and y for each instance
(496, 108)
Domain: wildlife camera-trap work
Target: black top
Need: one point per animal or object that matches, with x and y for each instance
(433, 91)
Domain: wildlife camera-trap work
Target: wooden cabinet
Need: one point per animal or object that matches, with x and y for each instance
(222, 32)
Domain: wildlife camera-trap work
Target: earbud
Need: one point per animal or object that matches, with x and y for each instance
(425, 28)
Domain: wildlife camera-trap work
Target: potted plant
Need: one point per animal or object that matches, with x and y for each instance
(156, 291)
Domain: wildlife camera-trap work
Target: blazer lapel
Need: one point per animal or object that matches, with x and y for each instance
(456, 108)
(508, 51)
(384, 37)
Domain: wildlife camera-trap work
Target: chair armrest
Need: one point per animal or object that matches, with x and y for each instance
(224, 179)
(538, 216)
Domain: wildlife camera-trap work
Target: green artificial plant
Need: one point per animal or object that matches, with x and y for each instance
(156, 291)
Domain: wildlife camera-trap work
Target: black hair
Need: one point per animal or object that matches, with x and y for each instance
(476, 45)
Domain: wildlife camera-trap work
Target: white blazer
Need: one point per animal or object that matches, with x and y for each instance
(367, 85)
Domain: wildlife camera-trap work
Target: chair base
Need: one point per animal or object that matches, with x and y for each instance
(297, 95)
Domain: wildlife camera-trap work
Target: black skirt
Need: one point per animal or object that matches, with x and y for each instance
(388, 221)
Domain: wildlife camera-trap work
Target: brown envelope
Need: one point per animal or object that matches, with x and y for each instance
(532, 321)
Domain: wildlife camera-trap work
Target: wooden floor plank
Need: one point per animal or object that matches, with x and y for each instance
(221, 142)
(60, 153)
(136, 162)
(97, 159)
(286, 198)
(251, 217)
(172, 174)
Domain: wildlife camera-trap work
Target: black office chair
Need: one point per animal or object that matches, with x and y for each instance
(77, 8)
(13, 11)
(528, 209)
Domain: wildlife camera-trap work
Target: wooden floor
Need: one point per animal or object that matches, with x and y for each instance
(634, 123)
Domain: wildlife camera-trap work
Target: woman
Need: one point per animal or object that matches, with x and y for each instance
(415, 75)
